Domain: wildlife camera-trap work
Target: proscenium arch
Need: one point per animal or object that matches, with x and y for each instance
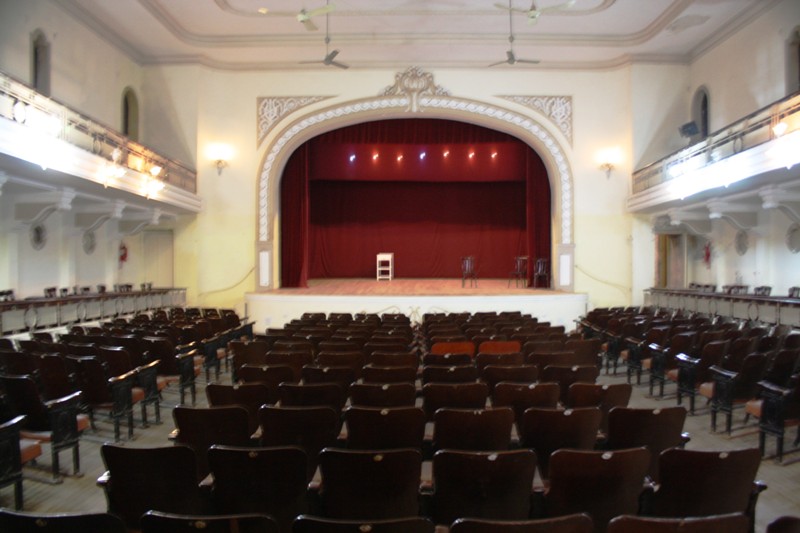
(288, 139)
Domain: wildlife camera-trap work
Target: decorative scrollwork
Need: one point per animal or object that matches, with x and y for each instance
(557, 108)
(414, 83)
(273, 108)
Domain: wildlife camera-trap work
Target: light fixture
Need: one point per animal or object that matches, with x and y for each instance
(422, 155)
(780, 128)
(608, 159)
(220, 154)
(399, 158)
(352, 157)
(155, 170)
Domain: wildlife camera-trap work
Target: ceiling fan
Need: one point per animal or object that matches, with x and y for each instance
(511, 57)
(534, 13)
(330, 55)
(305, 16)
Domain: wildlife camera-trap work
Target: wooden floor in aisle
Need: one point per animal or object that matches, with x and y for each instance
(81, 494)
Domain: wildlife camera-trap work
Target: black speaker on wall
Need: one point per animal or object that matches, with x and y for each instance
(689, 129)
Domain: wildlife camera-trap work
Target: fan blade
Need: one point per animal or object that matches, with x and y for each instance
(310, 62)
(498, 63)
(331, 55)
(529, 61)
(309, 25)
(559, 7)
(338, 64)
(506, 8)
(510, 57)
(322, 10)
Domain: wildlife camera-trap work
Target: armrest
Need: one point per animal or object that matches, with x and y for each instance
(686, 360)
(11, 423)
(173, 435)
(720, 374)
(685, 438)
(63, 402)
(774, 391)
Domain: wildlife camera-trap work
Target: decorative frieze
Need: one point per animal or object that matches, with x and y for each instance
(272, 109)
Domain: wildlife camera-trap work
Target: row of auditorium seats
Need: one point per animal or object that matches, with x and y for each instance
(733, 364)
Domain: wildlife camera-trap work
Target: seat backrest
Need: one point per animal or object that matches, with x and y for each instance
(317, 524)
(390, 358)
(294, 359)
(251, 396)
(383, 394)
(456, 395)
(657, 429)
(312, 394)
(499, 346)
(372, 428)
(158, 522)
(701, 483)
(441, 348)
(449, 374)
(199, 428)
(548, 430)
(603, 484)
(447, 359)
(269, 480)
(144, 479)
(729, 523)
(521, 396)
(311, 428)
(370, 484)
(494, 374)
(388, 374)
(483, 359)
(23, 398)
(268, 375)
(493, 485)
(20, 522)
(473, 429)
(605, 396)
(343, 376)
(574, 523)
(566, 375)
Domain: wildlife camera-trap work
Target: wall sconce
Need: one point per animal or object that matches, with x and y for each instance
(220, 154)
(155, 170)
(780, 128)
(608, 160)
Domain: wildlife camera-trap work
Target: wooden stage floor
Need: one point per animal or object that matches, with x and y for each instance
(413, 286)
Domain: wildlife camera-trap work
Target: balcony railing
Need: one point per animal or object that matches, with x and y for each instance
(22, 103)
(751, 131)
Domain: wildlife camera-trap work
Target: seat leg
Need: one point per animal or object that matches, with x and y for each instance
(18, 494)
(76, 460)
(729, 421)
(56, 466)
(713, 419)
(144, 416)
(762, 441)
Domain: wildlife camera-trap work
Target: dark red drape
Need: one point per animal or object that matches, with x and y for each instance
(430, 191)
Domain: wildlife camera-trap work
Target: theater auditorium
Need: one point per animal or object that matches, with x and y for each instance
(341, 265)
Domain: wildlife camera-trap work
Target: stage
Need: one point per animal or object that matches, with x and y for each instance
(413, 297)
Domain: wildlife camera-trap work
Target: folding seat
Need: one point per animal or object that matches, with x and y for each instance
(494, 374)
(352, 359)
(575, 523)
(343, 376)
(311, 428)
(370, 485)
(785, 524)
(271, 481)
(656, 429)
(199, 428)
(387, 358)
(456, 395)
(489, 485)
(499, 346)
(449, 374)
(370, 428)
(447, 359)
(603, 484)
(483, 359)
(473, 429)
(16, 451)
(317, 524)
(118, 361)
(138, 480)
(175, 367)
(388, 374)
(251, 396)
(663, 358)
(567, 375)
(521, 396)
(729, 523)
(605, 396)
(730, 388)
(312, 394)
(246, 353)
(692, 372)
(59, 522)
(383, 394)
(441, 348)
(268, 375)
(295, 359)
(705, 483)
(548, 430)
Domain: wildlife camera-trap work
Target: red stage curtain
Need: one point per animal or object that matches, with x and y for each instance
(338, 211)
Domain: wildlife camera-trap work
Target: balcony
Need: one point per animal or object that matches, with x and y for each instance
(742, 168)
(48, 149)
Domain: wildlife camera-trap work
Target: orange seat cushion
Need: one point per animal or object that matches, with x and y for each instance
(706, 389)
(29, 450)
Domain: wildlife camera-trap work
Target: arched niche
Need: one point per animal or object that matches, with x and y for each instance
(528, 129)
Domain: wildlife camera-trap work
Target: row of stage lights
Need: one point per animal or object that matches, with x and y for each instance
(421, 156)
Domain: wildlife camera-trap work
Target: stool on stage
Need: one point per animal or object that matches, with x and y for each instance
(384, 266)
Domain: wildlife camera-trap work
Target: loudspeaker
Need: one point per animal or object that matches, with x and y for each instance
(689, 129)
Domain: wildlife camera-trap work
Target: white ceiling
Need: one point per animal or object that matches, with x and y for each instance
(233, 34)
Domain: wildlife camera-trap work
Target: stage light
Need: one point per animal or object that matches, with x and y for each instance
(399, 158)
(352, 157)
(446, 153)
(422, 156)
(494, 155)
(472, 155)
(375, 156)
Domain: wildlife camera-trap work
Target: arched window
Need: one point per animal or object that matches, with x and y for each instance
(793, 62)
(700, 112)
(130, 114)
(40, 63)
